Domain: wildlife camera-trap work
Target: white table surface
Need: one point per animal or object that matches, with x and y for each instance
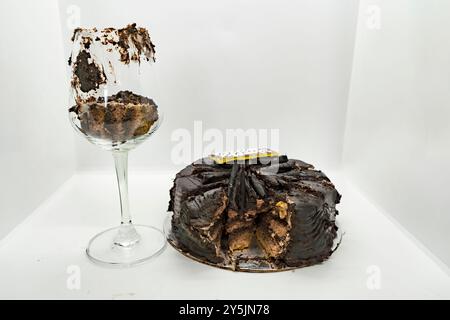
(35, 257)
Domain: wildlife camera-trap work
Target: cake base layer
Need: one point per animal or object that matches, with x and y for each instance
(248, 262)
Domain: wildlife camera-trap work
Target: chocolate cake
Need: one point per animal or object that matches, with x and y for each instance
(121, 116)
(263, 214)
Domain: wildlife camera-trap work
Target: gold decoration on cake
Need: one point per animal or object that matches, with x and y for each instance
(222, 158)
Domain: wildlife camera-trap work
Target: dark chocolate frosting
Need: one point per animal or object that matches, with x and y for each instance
(275, 211)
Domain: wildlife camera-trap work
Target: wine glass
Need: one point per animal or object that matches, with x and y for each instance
(111, 107)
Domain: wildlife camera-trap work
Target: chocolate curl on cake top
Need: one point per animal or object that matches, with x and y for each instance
(274, 213)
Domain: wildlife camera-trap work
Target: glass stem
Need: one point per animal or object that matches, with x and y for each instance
(127, 235)
(121, 163)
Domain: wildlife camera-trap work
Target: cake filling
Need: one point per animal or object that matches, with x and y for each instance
(269, 226)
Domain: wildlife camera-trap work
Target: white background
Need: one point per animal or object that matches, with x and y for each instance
(397, 143)
(369, 102)
(37, 152)
(240, 64)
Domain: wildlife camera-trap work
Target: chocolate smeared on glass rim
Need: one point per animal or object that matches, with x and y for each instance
(254, 216)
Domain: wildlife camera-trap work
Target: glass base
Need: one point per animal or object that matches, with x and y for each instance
(126, 246)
